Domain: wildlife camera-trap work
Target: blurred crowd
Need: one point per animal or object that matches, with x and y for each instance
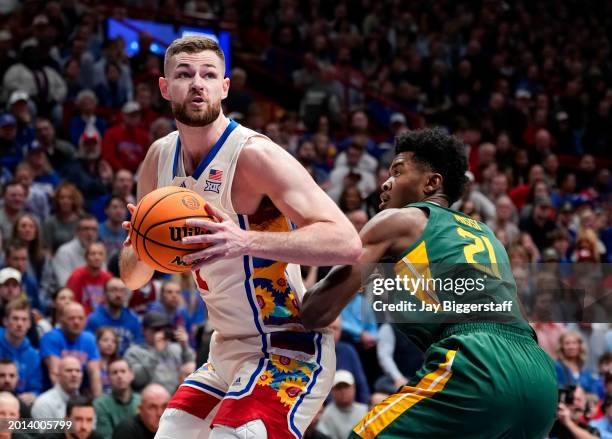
(526, 85)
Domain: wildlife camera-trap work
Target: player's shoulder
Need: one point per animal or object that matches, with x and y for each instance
(394, 222)
(163, 143)
(404, 217)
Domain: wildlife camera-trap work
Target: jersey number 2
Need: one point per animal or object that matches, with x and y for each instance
(479, 244)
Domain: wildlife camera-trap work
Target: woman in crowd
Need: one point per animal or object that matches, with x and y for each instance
(570, 366)
(108, 344)
(67, 209)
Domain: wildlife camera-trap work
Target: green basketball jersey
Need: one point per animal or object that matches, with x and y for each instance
(462, 269)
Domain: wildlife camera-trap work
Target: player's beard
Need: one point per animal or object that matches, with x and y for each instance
(183, 114)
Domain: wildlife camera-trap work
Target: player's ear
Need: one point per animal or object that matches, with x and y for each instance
(434, 183)
(163, 88)
(226, 85)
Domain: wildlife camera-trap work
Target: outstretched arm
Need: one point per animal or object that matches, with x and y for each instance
(388, 233)
(324, 235)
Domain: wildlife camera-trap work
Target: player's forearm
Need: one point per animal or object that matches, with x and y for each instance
(323, 303)
(134, 272)
(319, 244)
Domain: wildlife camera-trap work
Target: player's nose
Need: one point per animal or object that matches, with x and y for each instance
(386, 186)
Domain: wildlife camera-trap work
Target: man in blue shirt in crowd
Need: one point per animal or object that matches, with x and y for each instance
(115, 314)
(604, 425)
(14, 345)
(71, 340)
(170, 305)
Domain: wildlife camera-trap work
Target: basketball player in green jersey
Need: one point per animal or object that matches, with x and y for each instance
(483, 377)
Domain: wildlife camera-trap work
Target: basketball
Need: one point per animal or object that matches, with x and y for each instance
(159, 225)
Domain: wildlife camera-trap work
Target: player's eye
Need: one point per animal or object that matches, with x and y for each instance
(182, 75)
(211, 76)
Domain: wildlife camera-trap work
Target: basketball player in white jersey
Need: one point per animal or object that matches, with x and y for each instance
(266, 376)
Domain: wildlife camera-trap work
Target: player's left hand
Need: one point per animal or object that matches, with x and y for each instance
(226, 239)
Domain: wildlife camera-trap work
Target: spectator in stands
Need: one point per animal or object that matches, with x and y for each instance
(124, 145)
(348, 359)
(340, 416)
(90, 173)
(42, 83)
(14, 345)
(37, 194)
(16, 257)
(10, 286)
(170, 304)
(238, 99)
(321, 100)
(359, 329)
(111, 93)
(14, 197)
(9, 411)
(398, 357)
(121, 403)
(504, 219)
(52, 403)
(482, 205)
(86, 118)
(80, 411)
(539, 225)
(11, 150)
(144, 98)
(114, 313)
(59, 152)
(570, 367)
(570, 418)
(71, 255)
(604, 424)
(18, 105)
(44, 176)
(123, 187)
(108, 344)
(88, 281)
(351, 174)
(110, 232)
(71, 339)
(158, 359)
(59, 299)
(9, 377)
(154, 399)
(60, 227)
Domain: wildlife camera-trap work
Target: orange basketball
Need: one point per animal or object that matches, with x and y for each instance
(158, 227)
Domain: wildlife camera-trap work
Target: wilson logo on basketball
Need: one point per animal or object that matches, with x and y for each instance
(190, 202)
(178, 233)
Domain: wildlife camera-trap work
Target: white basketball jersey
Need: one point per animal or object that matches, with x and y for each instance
(245, 296)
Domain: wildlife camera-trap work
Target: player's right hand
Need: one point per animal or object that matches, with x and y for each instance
(127, 225)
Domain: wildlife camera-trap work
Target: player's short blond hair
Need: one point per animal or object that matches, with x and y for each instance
(192, 44)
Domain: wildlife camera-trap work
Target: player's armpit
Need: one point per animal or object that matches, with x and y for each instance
(327, 298)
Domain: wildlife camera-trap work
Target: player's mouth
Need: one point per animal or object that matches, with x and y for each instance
(384, 199)
(198, 101)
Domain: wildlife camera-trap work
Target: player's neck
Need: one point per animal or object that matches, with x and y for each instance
(439, 199)
(196, 142)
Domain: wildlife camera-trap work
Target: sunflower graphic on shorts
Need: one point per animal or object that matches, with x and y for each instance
(265, 379)
(284, 364)
(265, 301)
(290, 390)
